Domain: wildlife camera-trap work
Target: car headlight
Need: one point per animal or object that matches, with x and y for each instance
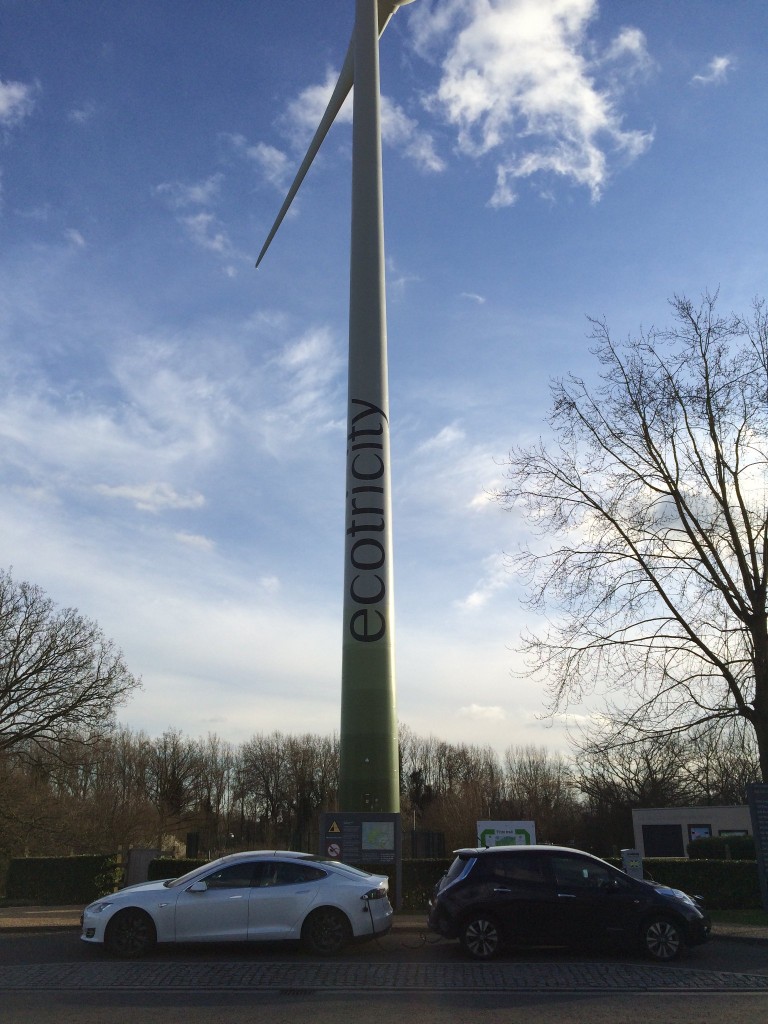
(96, 908)
(678, 894)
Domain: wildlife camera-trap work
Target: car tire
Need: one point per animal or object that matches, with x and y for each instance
(481, 937)
(326, 932)
(662, 939)
(130, 934)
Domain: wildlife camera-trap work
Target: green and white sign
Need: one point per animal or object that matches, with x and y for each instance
(506, 833)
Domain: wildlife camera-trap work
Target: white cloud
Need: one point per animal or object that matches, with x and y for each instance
(202, 226)
(182, 194)
(75, 238)
(398, 130)
(403, 133)
(195, 540)
(397, 279)
(303, 114)
(206, 231)
(496, 578)
(82, 114)
(445, 438)
(274, 164)
(520, 79)
(630, 42)
(151, 497)
(716, 72)
(304, 379)
(484, 499)
(16, 102)
(481, 712)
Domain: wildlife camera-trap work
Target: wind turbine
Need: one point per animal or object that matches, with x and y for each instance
(369, 769)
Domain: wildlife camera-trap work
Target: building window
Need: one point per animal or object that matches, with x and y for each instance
(699, 832)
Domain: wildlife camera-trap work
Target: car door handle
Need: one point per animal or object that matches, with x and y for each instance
(566, 895)
(502, 890)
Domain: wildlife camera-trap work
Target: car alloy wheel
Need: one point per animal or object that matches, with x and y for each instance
(480, 937)
(130, 934)
(662, 939)
(326, 932)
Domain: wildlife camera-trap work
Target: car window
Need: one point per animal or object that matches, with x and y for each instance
(288, 873)
(516, 869)
(343, 869)
(580, 873)
(455, 870)
(236, 876)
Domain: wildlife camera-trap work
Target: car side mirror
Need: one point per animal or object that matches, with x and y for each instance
(198, 887)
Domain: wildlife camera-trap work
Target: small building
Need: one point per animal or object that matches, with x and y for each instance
(666, 831)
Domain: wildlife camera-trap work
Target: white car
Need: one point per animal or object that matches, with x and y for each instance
(264, 895)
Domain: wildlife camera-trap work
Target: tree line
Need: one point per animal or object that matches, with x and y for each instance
(125, 789)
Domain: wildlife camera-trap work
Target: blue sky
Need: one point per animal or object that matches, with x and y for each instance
(172, 421)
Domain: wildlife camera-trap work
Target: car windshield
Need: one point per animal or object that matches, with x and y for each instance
(193, 874)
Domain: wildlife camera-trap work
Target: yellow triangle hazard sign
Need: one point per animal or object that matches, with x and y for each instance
(334, 828)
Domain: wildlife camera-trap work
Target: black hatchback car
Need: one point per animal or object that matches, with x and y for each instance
(554, 896)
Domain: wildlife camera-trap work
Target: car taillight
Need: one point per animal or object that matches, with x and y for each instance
(374, 894)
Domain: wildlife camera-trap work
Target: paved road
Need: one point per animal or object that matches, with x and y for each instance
(53, 977)
(58, 960)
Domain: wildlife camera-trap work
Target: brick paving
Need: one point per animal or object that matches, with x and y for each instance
(293, 978)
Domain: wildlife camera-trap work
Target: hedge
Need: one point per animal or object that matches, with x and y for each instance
(722, 848)
(63, 880)
(724, 884)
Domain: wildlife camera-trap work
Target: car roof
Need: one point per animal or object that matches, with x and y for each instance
(251, 854)
(491, 851)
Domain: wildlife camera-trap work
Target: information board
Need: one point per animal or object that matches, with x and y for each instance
(506, 833)
(364, 839)
(757, 798)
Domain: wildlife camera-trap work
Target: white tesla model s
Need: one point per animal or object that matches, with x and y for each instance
(263, 895)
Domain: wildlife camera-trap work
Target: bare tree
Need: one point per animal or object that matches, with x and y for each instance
(656, 486)
(722, 760)
(539, 787)
(649, 772)
(58, 673)
(173, 779)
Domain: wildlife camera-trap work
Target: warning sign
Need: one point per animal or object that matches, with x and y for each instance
(334, 829)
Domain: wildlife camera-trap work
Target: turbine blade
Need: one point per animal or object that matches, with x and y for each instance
(340, 93)
(386, 8)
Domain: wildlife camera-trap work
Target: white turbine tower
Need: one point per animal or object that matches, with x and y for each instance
(368, 776)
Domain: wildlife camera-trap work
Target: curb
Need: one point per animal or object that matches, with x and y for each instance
(49, 919)
(17, 920)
